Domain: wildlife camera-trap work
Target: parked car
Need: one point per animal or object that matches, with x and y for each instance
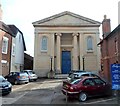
(5, 86)
(86, 87)
(17, 77)
(76, 71)
(77, 75)
(31, 75)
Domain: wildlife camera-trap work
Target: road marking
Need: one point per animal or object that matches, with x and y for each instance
(12, 100)
(14, 89)
(100, 101)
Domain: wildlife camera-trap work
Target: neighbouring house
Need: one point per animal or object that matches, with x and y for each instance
(5, 48)
(18, 48)
(110, 48)
(64, 42)
(0, 12)
(28, 62)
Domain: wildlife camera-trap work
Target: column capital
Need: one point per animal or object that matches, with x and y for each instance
(58, 34)
(75, 34)
(81, 33)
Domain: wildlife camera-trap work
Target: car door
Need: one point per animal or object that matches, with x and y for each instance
(101, 86)
(10, 77)
(89, 87)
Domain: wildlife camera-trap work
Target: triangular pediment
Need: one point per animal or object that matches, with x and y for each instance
(66, 19)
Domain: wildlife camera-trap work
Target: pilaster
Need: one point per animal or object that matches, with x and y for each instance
(75, 51)
(58, 58)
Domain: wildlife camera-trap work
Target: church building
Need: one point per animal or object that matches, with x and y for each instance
(65, 42)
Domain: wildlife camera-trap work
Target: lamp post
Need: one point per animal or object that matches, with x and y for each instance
(51, 63)
(83, 62)
(79, 62)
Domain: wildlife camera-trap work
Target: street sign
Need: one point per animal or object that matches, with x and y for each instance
(115, 73)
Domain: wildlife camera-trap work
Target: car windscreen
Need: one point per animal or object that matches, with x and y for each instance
(76, 81)
(31, 72)
(2, 79)
(23, 74)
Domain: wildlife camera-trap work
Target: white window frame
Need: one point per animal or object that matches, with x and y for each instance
(4, 61)
(44, 44)
(89, 44)
(5, 46)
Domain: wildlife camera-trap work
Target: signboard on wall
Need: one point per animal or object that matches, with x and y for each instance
(115, 75)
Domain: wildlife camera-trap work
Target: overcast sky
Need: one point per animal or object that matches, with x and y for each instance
(23, 12)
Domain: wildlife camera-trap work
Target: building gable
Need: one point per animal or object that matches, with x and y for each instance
(66, 19)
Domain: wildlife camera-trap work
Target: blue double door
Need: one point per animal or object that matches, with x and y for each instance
(66, 62)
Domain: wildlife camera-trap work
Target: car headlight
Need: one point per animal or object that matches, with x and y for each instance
(10, 85)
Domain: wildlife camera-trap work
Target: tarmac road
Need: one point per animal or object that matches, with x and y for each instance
(48, 91)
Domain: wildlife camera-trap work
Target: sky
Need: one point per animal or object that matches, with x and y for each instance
(22, 13)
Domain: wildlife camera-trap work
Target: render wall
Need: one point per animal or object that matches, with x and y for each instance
(42, 63)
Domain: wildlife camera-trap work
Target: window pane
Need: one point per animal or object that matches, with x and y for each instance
(13, 49)
(98, 82)
(44, 43)
(89, 43)
(4, 46)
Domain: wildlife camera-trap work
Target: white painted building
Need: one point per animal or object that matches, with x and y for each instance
(18, 48)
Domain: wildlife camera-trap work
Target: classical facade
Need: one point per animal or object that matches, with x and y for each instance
(64, 42)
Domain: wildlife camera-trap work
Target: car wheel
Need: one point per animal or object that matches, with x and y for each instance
(35, 79)
(26, 82)
(83, 97)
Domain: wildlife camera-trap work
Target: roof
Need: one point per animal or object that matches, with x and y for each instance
(6, 28)
(114, 31)
(66, 19)
(15, 30)
(110, 34)
(27, 56)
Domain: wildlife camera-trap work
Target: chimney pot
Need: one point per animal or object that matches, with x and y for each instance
(105, 16)
(106, 27)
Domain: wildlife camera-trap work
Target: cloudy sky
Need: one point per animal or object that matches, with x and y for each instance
(23, 12)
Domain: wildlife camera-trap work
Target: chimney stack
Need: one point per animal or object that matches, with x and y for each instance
(106, 26)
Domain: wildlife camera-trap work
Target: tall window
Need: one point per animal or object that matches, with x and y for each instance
(89, 43)
(13, 49)
(44, 43)
(5, 45)
(116, 46)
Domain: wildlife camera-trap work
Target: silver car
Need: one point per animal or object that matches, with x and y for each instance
(77, 75)
(31, 75)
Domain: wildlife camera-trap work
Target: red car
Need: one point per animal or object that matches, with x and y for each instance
(86, 87)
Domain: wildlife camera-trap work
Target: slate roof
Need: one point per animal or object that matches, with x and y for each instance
(6, 28)
(15, 30)
(110, 34)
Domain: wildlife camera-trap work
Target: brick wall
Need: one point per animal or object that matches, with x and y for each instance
(7, 57)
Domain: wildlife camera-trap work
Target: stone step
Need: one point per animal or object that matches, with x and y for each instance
(62, 76)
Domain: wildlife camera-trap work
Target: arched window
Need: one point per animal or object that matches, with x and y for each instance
(44, 43)
(89, 43)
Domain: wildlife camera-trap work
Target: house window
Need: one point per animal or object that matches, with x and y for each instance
(13, 49)
(44, 42)
(116, 46)
(4, 45)
(89, 43)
